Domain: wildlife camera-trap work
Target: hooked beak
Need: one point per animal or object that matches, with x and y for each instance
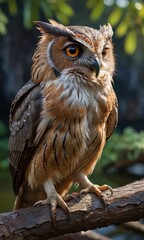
(95, 66)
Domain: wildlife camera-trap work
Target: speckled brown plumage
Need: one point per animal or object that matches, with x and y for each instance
(60, 120)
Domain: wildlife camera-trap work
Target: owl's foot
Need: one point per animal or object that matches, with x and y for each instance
(97, 190)
(54, 199)
(88, 187)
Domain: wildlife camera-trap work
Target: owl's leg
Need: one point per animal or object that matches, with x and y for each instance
(53, 198)
(88, 187)
(63, 189)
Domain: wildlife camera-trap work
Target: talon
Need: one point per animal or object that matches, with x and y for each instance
(94, 189)
(106, 187)
(71, 196)
(98, 191)
(57, 200)
(103, 200)
(41, 202)
(54, 200)
(88, 187)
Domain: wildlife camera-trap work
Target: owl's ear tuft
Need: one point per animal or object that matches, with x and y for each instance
(106, 31)
(54, 28)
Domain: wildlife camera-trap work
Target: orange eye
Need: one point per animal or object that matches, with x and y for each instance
(72, 51)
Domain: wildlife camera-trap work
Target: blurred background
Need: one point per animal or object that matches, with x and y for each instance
(123, 158)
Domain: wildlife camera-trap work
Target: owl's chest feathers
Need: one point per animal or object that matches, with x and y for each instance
(77, 100)
(75, 116)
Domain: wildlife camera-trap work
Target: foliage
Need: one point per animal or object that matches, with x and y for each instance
(32, 9)
(3, 146)
(127, 17)
(127, 145)
(130, 24)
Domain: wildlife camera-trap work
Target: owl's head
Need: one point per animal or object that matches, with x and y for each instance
(75, 49)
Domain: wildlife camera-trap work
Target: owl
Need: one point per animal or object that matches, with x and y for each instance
(61, 119)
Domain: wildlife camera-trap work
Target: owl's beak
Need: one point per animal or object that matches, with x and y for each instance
(95, 65)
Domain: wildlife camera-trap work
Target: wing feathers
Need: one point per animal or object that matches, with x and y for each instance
(24, 120)
(112, 120)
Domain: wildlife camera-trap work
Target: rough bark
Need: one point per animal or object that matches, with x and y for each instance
(126, 204)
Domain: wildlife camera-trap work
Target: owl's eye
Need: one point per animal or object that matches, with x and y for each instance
(105, 50)
(72, 51)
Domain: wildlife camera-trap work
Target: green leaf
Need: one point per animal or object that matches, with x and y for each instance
(35, 10)
(66, 9)
(115, 16)
(127, 145)
(27, 18)
(130, 42)
(97, 11)
(90, 4)
(141, 12)
(121, 28)
(3, 29)
(46, 8)
(3, 17)
(62, 18)
(12, 6)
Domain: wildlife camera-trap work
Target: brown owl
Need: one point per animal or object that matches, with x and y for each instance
(61, 119)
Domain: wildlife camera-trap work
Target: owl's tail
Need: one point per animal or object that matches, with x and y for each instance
(27, 197)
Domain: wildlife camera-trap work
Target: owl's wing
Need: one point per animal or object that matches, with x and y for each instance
(24, 120)
(112, 120)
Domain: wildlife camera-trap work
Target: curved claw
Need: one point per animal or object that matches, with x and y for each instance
(106, 187)
(70, 196)
(98, 191)
(41, 202)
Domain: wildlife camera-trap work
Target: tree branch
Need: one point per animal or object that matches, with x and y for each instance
(126, 204)
(134, 226)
